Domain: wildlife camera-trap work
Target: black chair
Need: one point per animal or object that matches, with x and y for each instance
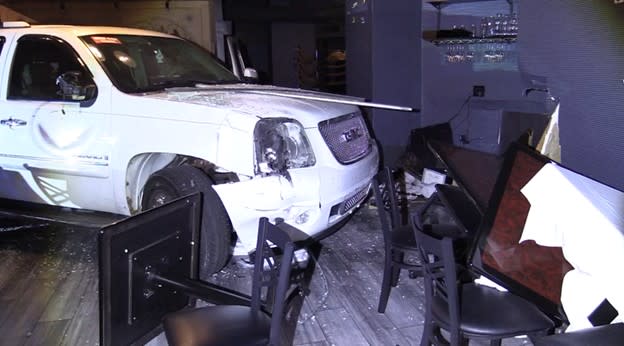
(275, 284)
(468, 310)
(398, 235)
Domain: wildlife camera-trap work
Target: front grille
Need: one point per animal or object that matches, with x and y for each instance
(347, 137)
(354, 200)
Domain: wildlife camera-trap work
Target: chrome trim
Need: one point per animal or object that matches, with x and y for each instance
(49, 159)
(354, 200)
(62, 171)
(335, 100)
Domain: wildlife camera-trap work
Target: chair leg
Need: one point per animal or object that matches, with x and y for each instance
(427, 333)
(438, 338)
(456, 337)
(396, 270)
(414, 274)
(533, 336)
(385, 287)
(495, 342)
(396, 273)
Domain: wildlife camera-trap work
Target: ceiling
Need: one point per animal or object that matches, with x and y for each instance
(242, 10)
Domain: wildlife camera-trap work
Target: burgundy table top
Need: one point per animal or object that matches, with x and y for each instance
(475, 171)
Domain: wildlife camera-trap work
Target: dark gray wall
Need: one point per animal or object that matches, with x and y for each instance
(396, 73)
(383, 65)
(577, 46)
(359, 49)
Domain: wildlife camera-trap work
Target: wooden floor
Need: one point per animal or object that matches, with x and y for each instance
(49, 288)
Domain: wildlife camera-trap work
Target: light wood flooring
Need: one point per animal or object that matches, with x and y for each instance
(49, 287)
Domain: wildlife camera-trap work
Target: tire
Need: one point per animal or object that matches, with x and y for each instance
(216, 228)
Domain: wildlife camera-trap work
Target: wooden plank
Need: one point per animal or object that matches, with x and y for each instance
(15, 278)
(4, 310)
(308, 328)
(377, 328)
(328, 278)
(412, 334)
(46, 333)
(76, 271)
(24, 312)
(316, 343)
(340, 328)
(8, 265)
(72, 291)
(83, 328)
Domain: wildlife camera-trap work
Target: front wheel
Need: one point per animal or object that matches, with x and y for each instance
(216, 229)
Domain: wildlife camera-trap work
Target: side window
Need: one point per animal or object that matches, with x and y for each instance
(38, 62)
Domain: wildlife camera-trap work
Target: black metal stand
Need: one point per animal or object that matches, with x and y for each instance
(210, 293)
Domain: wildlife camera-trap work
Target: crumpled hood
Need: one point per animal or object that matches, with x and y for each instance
(255, 100)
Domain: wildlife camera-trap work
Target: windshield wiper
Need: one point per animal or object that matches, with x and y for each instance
(222, 81)
(177, 83)
(181, 83)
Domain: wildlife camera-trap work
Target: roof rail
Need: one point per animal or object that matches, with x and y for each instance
(14, 24)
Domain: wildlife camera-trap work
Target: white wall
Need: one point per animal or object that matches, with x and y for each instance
(193, 20)
(7, 14)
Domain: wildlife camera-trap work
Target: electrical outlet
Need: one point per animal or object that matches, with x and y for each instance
(478, 90)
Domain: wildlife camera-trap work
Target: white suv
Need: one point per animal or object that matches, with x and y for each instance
(121, 120)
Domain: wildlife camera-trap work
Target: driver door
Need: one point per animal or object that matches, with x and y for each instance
(54, 148)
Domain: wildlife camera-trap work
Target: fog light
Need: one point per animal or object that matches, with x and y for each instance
(302, 218)
(302, 257)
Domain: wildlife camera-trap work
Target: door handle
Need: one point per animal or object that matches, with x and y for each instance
(10, 122)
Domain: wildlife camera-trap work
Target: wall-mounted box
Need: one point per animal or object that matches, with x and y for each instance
(491, 125)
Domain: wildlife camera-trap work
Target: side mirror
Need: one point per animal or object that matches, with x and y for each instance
(75, 87)
(250, 75)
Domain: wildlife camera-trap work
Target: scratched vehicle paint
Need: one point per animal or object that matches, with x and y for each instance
(121, 120)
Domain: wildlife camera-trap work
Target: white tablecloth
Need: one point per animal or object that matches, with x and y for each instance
(586, 219)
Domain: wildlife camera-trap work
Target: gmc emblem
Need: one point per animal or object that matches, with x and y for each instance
(351, 134)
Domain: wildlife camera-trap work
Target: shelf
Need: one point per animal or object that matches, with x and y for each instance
(442, 3)
(439, 4)
(475, 40)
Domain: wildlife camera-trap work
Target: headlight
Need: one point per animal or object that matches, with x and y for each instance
(281, 144)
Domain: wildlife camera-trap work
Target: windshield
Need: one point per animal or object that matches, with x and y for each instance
(148, 63)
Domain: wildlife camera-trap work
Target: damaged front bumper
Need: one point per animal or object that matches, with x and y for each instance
(313, 199)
